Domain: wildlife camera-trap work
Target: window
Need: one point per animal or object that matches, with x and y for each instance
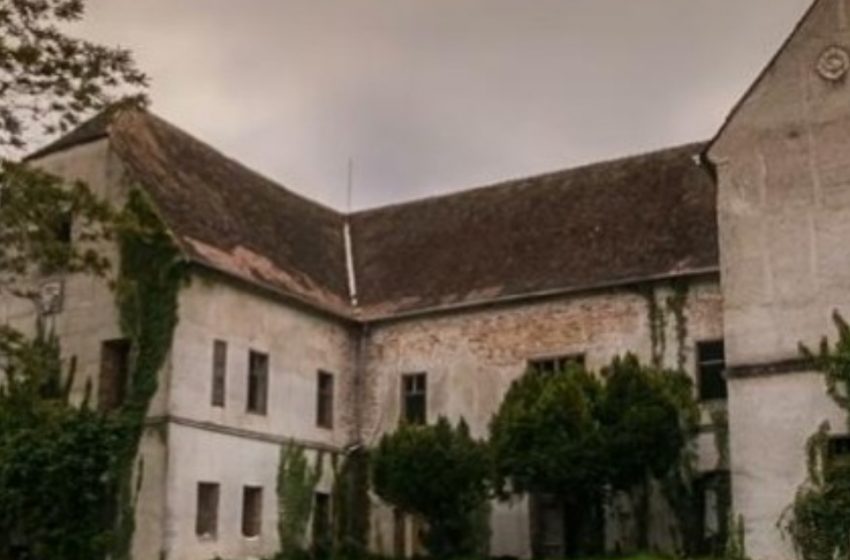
(206, 516)
(219, 373)
(325, 400)
(414, 389)
(321, 525)
(839, 451)
(711, 363)
(252, 511)
(556, 364)
(258, 382)
(399, 534)
(114, 370)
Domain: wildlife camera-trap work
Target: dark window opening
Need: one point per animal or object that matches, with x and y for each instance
(325, 400)
(322, 538)
(219, 373)
(63, 228)
(556, 364)
(258, 382)
(711, 363)
(839, 451)
(399, 534)
(252, 511)
(206, 516)
(414, 392)
(114, 371)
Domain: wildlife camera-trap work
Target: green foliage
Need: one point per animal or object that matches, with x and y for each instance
(296, 483)
(57, 486)
(570, 435)
(819, 523)
(49, 78)
(37, 211)
(352, 506)
(151, 275)
(439, 473)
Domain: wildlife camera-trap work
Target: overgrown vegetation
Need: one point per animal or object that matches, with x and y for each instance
(352, 505)
(296, 483)
(820, 523)
(438, 473)
(573, 436)
(57, 462)
(146, 292)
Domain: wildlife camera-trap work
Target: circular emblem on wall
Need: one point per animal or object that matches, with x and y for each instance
(833, 64)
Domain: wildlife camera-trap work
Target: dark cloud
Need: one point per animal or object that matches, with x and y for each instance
(429, 96)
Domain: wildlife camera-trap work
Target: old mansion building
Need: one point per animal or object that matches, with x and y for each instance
(303, 323)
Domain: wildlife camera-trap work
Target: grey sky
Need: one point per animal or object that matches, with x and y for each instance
(430, 96)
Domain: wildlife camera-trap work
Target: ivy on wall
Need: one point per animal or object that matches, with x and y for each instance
(819, 522)
(296, 483)
(150, 277)
(352, 505)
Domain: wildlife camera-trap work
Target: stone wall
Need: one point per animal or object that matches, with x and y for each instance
(472, 357)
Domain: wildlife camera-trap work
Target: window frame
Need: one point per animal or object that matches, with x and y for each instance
(112, 351)
(411, 379)
(200, 504)
(556, 363)
(257, 388)
(218, 398)
(252, 511)
(325, 397)
(702, 364)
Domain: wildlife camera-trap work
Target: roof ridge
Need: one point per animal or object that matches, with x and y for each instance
(537, 176)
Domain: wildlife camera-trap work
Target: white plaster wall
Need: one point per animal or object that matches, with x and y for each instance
(298, 343)
(471, 358)
(784, 215)
(229, 445)
(772, 419)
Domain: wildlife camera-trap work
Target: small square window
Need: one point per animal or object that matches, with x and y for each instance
(252, 511)
(206, 515)
(258, 382)
(711, 363)
(556, 364)
(219, 373)
(414, 394)
(325, 400)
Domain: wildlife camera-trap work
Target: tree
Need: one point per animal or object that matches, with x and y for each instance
(545, 439)
(57, 483)
(648, 417)
(60, 465)
(440, 474)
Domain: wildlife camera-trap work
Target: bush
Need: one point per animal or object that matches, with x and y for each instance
(440, 474)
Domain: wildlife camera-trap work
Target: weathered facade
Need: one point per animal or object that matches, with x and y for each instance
(301, 323)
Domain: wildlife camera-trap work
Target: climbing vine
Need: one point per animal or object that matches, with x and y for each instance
(149, 279)
(351, 505)
(676, 306)
(657, 325)
(819, 522)
(296, 483)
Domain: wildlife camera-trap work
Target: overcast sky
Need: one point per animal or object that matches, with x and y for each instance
(431, 96)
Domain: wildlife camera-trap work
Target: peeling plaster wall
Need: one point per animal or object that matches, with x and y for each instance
(783, 165)
(472, 357)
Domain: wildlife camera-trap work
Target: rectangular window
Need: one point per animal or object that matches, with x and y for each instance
(258, 382)
(711, 363)
(414, 395)
(556, 364)
(219, 373)
(321, 525)
(839, 451)
(325, 400)
(206, 516)
(114, 371)
(252, 511)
